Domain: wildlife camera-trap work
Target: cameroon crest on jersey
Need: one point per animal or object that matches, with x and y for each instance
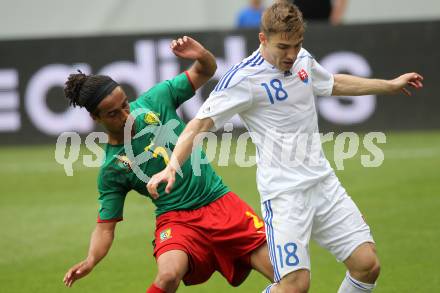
(165, 234)
(152, 118)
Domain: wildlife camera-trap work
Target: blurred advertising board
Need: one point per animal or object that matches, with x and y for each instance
(33, 108)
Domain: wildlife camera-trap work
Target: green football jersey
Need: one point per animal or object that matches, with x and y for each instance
(157, 127)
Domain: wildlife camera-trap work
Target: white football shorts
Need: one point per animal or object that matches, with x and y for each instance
(323, 212)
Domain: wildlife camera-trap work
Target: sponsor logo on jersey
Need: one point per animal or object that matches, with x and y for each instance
(152, 118)
(165, 235)
(124, 162)
(303, 76)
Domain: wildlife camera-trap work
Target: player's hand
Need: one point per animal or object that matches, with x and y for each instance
(187, 48)
(412, 80)
(78, 271)
(167, 175)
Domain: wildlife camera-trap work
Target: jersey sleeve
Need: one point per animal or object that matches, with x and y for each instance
(322, 80)
(172, 92)
(181, 88)
(223, 104)
(111, 198)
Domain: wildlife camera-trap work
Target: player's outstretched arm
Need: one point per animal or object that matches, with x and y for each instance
(100, 243)
(182, 151)
(349, 85)
(204, 66)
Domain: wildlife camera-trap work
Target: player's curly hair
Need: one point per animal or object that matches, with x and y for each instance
(79, 87)
(282, 17)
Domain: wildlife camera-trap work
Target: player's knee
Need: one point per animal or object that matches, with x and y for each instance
(368, 269)
(374, 269)
(167, 279)
(296, 282)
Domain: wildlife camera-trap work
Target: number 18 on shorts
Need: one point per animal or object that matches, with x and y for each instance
(287, 253)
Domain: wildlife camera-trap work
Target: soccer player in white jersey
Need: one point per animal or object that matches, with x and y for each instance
(273, 91)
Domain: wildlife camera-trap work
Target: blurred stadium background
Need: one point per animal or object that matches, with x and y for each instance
(47, 217)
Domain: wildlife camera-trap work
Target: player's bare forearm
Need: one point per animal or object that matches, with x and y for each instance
(349, 85)
(203, 69)
(187, 140)
(100, 243)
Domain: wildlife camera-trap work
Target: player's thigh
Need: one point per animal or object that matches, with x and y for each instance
(178, 231)
(236, 231)
(260, 261)
(338, 224)
(288, 220)
(174, 263)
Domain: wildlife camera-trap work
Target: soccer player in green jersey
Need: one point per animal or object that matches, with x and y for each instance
(201, 226)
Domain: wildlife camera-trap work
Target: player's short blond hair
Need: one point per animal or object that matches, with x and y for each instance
(282, 17)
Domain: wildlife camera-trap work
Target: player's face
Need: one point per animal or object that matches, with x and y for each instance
(281, 49)
(113, 111)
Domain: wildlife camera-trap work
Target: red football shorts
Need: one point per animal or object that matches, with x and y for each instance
(217, 237)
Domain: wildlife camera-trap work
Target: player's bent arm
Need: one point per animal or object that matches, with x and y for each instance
(202, 69)
(100, 243)
(204, 66)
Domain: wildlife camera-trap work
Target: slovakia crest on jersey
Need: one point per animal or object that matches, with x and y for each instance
(303, 75)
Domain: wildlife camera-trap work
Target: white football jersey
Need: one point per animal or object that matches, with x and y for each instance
(278, 110)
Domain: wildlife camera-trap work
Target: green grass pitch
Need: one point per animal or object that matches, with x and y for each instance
(46, 220)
